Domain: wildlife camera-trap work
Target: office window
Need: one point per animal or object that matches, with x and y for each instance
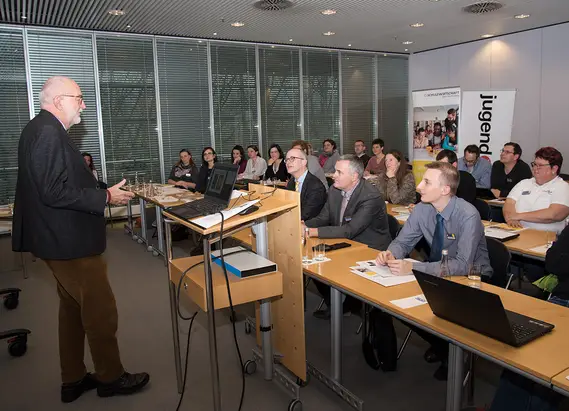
(184, 99)
(358, 100)
(128, 108)
(13, 108)
(75, 60)
(393, 101)
(321, 97)
(234, 97)
(280, 97)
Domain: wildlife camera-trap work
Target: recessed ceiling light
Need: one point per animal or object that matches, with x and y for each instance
(349, 45)
(199, 41)
(116, 12)
(328, 33)
(407, 42)
(435, 1)
(406, 49)
(385, 55)
(215, 34)
(24, 17)
(272, 47)
(128, 26)
(289, 39)
(485, 36)
(237, 24)
(418, 24)
(328, 12)
(521, 16)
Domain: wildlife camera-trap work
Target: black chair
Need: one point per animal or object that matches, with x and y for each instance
(394, 226)
(564, 176)
(18, 337)
(500, 258)
(483, 209)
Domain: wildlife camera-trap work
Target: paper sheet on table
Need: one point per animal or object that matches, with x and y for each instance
(402, 217)
(542, 249)
(236, 194)
(310, 262)
(169, 190)
(567, 378)
(499, 233)
(410, 302)
(497, 202)
(400, 210)
(381, 274)
(213, 219)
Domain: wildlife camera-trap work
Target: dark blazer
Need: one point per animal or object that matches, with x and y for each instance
(365, 218)
(312, 196)
(466, 187)
(365, 159)
(281, 173)
(58, 212)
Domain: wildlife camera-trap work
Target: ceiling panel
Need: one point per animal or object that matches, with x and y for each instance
(378, 25)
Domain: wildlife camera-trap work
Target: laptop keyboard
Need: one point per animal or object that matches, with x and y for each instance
(520, 331)
(206, 207)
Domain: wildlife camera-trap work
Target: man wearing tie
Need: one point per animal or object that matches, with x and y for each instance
(446, 222)
(312, 191)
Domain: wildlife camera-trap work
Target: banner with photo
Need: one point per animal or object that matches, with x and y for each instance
(486, 120)
(435, 125)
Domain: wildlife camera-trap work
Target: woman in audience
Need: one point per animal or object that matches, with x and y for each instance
(185, 172)
(276, 165)
(256, 165)
(376, 164)
(89, 160)
(397, 184)
(329, 156)
(209, 158)
(238, 156)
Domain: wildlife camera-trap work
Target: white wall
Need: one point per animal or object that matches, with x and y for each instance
(535, 63)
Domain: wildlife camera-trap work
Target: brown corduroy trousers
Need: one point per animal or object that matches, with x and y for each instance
(87, 307)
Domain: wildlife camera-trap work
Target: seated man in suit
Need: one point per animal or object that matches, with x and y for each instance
(445, 222)
(314, 167)
(311, 189)
(466, 183)
(354, 210)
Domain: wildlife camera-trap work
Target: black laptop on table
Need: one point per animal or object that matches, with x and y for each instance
(217, 195)
(479, 310)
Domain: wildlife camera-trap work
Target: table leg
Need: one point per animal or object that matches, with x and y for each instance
(455, 377)
(129, 215)
(214, 365)
(174, 312)
(336, 333)
(24, 268)
(160, 231)
(143, 220)
(266, 335)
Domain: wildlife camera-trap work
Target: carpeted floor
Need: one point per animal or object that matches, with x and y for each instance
(139, 280)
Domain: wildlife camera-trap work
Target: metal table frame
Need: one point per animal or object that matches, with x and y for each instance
(142, 237)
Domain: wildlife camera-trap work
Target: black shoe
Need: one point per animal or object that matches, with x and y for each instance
(323, 314)
(71, 391)
(127, 384)
(441, 373)
(431, 356)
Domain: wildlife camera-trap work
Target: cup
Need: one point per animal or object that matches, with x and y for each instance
(305, 247)
(318, 250)
(475, 276)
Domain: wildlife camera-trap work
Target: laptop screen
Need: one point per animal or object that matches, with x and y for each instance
(221, 182)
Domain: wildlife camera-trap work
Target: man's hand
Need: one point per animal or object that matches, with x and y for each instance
(496, 192)
(383, 257)
(400, 267)
(514, 220)
(411, 207)
(118, 196)
(313, 232)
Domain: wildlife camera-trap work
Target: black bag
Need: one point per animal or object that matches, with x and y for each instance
(380, 342)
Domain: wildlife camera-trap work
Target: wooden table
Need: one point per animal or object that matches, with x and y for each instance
(560, 383)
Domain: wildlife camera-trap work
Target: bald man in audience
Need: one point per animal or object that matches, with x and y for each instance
(313, 164)
(59, 217)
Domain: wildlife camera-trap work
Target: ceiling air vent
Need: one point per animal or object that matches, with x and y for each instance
(273, 5)
(483, 7)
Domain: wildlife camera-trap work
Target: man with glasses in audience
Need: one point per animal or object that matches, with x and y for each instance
(312, 162)
(509, 170)
(480, 168)
(312, 191)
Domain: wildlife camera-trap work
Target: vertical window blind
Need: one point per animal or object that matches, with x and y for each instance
(321, 97)
(14, 109)
(358, 99)
(128, 103)
(234, 97)
(280, 97)
(184, 99)
(47, 59)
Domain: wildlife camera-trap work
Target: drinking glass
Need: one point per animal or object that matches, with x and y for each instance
(319, 250)
(475, 276)
(304, 241)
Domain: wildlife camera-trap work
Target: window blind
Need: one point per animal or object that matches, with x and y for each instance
(128, 100)
(184, 99)
(70, 55)
(280, 97)
(234, 97)
(321, 97)
(13, 108)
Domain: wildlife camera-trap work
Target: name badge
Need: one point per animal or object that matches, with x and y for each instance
(526, 193)
(451, 237)
(188, 174)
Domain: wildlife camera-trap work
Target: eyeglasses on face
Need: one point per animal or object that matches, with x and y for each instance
(506, 151)
(79, 97)
(535, 165)
(291, 159)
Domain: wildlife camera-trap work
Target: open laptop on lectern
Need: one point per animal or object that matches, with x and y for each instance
(479, 310)
(217, 195)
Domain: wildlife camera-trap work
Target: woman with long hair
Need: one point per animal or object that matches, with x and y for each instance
(209, 158)
(276, 166)
(185, 172)
(89, 161)
(329, 156)
(256, 165)
(238, 157)
(397, 183)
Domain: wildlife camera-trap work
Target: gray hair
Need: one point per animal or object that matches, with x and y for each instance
(355, 164)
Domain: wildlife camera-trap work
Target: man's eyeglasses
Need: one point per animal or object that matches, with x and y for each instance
(506, 151)
(291, 159)
(535, 165)
(79, 98)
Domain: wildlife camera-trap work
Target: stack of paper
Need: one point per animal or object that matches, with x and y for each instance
(213, 219)
(542, 249)
(380, 274)
(400, 210)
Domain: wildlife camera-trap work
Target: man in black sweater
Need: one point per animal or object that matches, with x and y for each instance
(508, 171)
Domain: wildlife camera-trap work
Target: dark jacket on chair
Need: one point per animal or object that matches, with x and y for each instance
(59, 211)
(365, 217)
(312, 196)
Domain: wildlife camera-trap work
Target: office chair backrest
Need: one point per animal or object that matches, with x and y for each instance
(564, 176)
(500, 258)
(394, 226)
(483, 209)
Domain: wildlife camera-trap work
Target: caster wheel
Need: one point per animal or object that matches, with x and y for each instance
(140, 241)
(17, 348)
(134, 237)
(155, 254)
(250, 367)
(247, 328)
(11, 301)
(295, 405)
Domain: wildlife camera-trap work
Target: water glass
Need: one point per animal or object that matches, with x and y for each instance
(475, 276)
(319, 250)
(304, 241)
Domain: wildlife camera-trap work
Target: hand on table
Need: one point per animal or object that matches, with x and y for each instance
(400, 267)
(383, 257)
(514, 220)
(118, 196)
